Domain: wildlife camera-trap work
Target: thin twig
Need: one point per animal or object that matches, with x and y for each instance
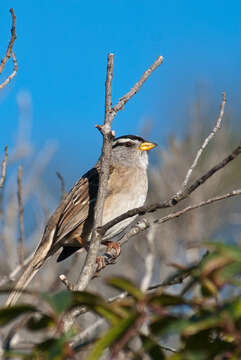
(167, 348)
(65, 281)
(14, 73)
(20, 215)
(149, 259)
(10, 52)
(12, 276)
(63, 192)
(11, 42)
(88, 335)
(180, 276)
(123, 100)
(206, 141)
(174, 200)
(144, 223)
(4, 167)
(196, 206)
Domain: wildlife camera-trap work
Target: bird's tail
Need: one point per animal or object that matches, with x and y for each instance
(22, 283)
(31, 270)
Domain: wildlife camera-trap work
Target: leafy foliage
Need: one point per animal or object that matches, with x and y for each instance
(205, 324)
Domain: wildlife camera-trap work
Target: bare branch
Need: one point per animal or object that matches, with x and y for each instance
(65, 281)
(196, 206)
(88, 335)
(90, 263)
(20, 214)
(89, 266)
(11, 42)
(12, 276)
(63, 192)
(144, 224)
(123, 100)
(206, 141)
(149, 259)
(174, 200)
(178, 278)
(14, 73)
(10, 52)
(4, 167)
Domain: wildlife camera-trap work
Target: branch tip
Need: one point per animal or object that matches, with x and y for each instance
(224, 96)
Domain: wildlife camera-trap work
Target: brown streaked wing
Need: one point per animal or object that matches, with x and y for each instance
(76, 210)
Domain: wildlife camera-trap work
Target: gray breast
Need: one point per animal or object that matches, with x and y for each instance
(131, 193)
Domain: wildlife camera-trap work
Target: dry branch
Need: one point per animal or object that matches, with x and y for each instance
(89, 265)
(12, 276)
(14, 73)
(63, 192)
(20, 214)
(206, 141)
(123, 100)
(149, 259)
(4, 167)
(10, 53)
(196, 206)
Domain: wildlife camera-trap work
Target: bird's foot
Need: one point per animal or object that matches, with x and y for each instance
(113, 250)
(100, 261)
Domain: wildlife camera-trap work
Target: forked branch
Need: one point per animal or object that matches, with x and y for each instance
(108, 135)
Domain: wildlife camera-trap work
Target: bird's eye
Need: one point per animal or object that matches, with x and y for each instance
(128, 144)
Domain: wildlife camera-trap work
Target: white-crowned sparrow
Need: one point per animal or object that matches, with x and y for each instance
(70, 225)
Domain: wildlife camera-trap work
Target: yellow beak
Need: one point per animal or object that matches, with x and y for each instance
(146, 146)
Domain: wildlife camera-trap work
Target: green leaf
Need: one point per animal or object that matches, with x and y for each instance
(112, 335)
(18, 355)
(231, 251)
(208, 288)
(11, 313)
(60, 301)
(168, 325)
(233, 309)
(230, 271)
(53, 348)
(197, 324)
(36, 324)
(168, 300)
(208, 343)
(85, 298)
(112, 312)
(122, 283)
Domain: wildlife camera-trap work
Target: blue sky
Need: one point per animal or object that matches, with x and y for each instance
(62, 48)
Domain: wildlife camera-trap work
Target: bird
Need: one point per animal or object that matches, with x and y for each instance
(70, 226)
